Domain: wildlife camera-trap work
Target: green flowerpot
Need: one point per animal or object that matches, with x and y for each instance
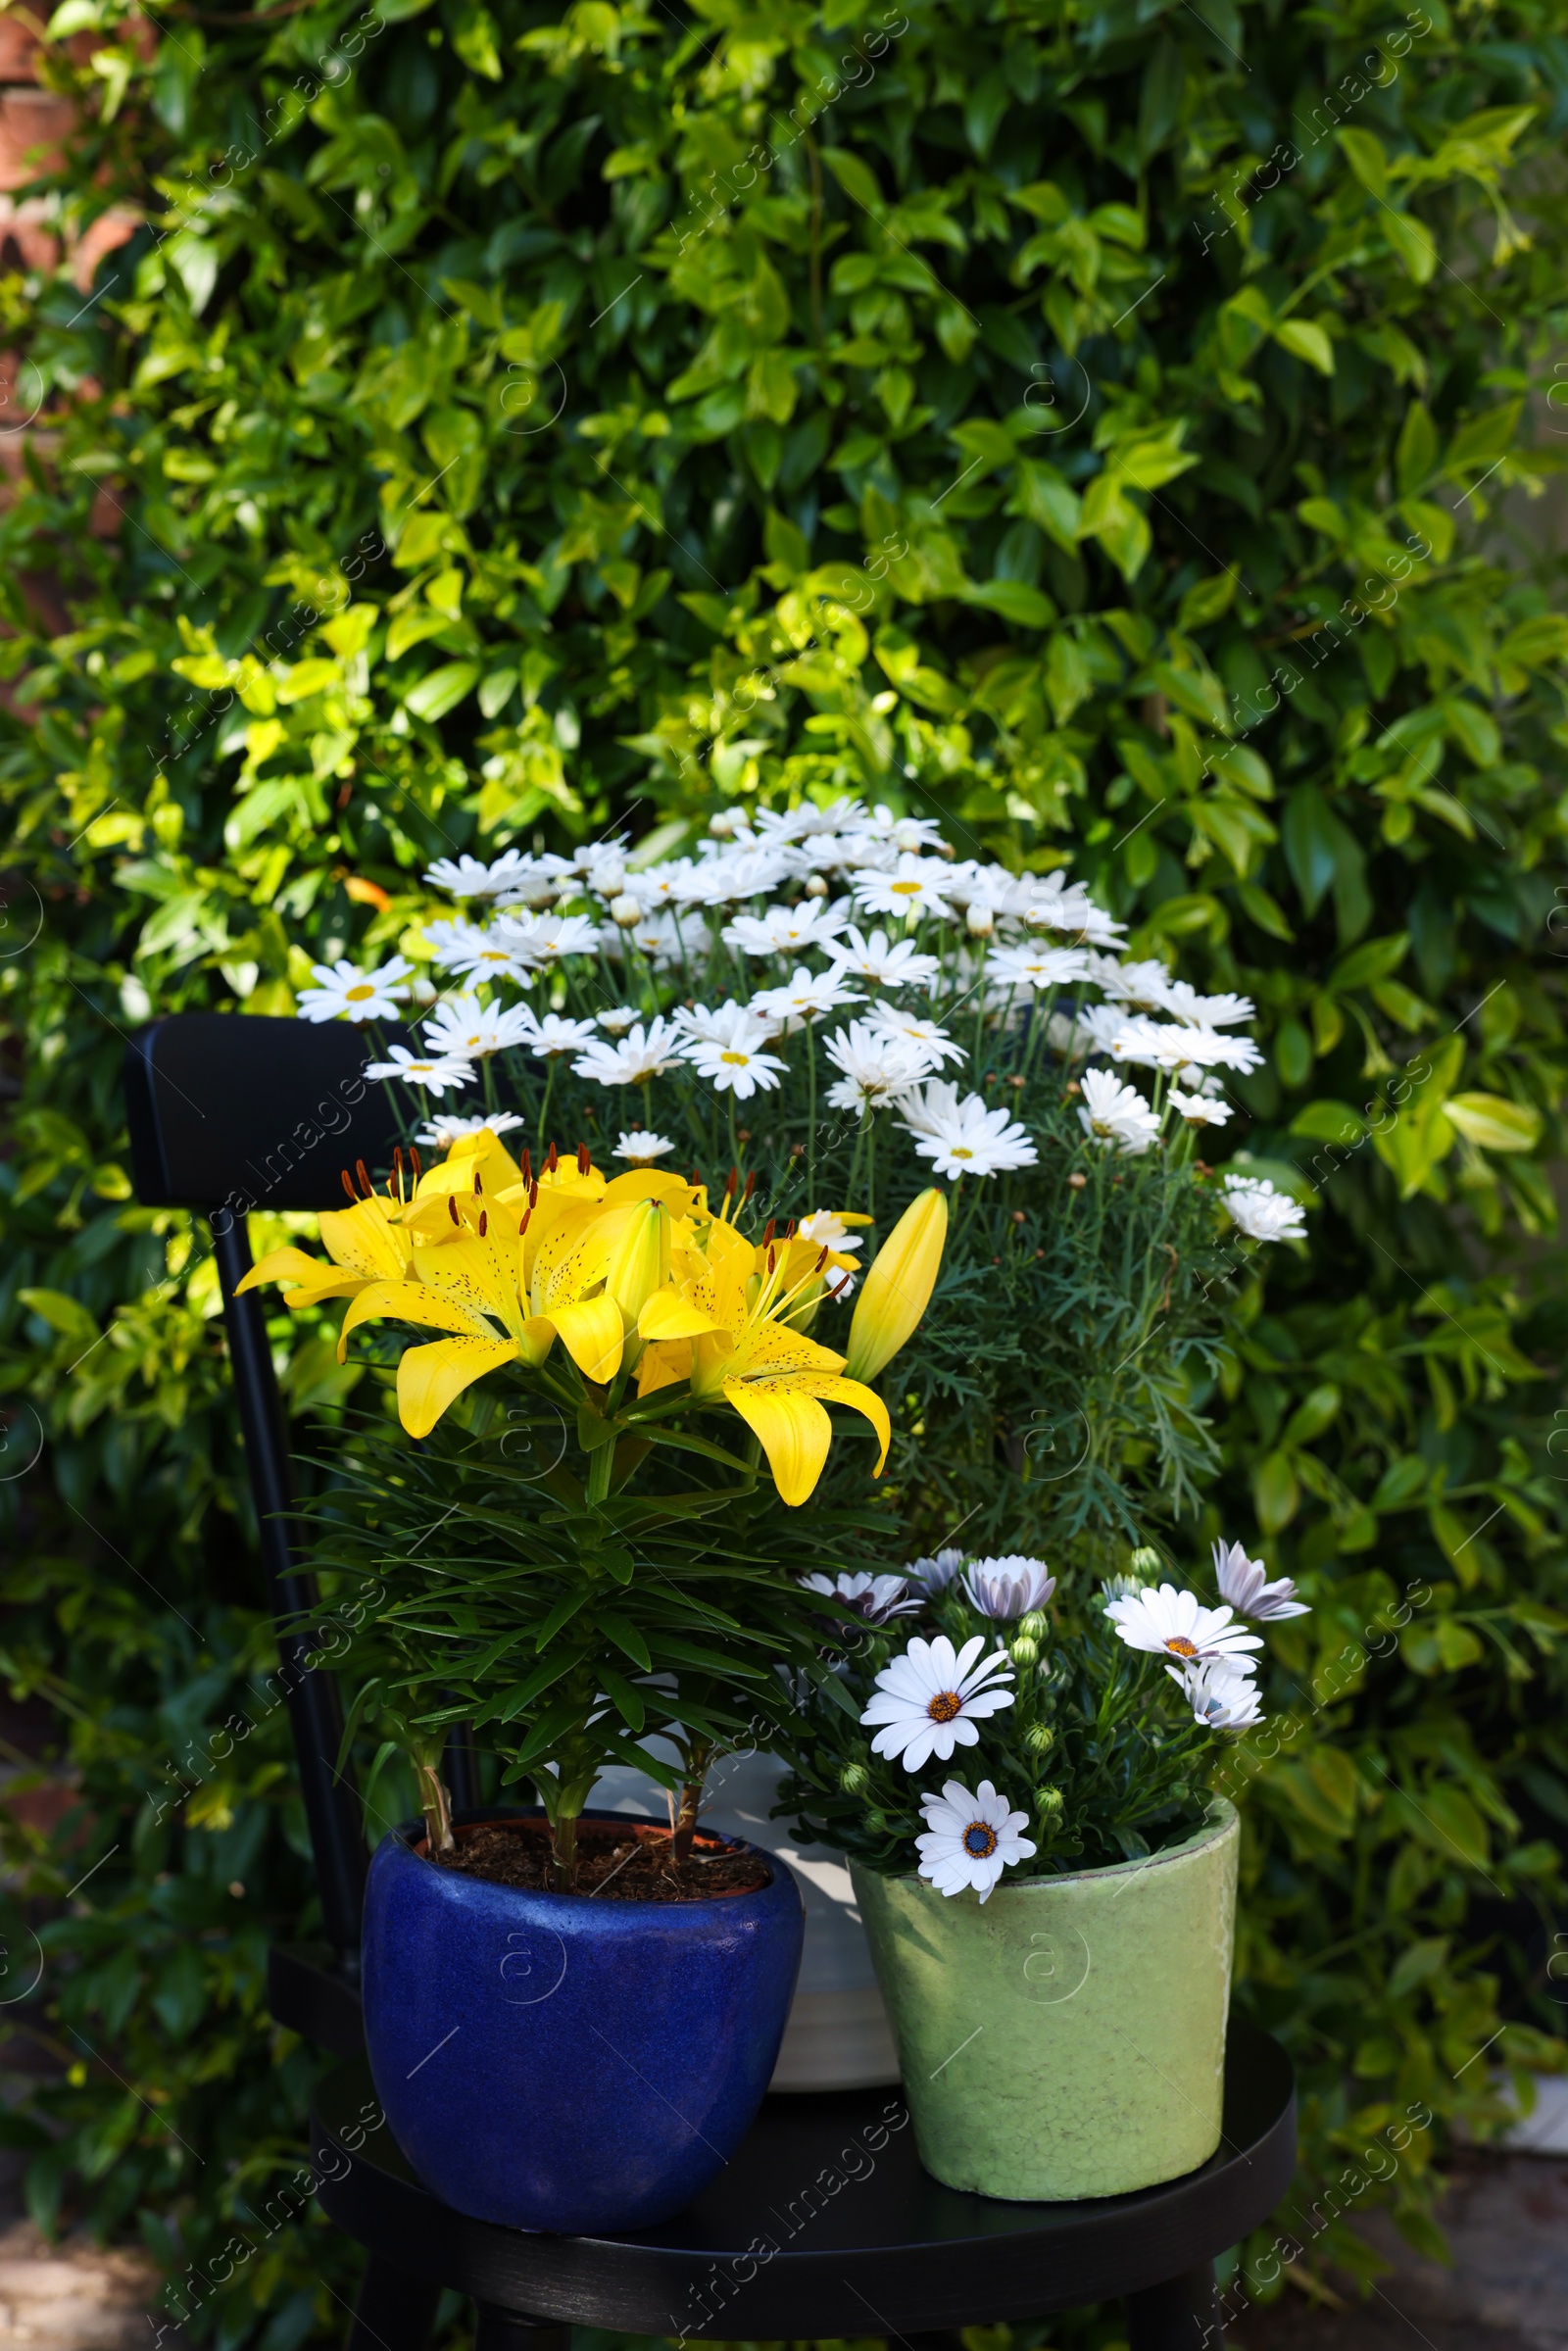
(1068, 2037)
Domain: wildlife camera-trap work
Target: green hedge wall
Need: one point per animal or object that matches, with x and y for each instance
(1087, 422)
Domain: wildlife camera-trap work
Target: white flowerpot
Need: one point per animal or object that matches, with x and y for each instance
(838, 2036)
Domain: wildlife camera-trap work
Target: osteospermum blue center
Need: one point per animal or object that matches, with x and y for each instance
(979, 1840)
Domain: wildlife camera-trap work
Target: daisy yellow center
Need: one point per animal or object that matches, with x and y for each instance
(979, 1840)
(945, 1706)
(1180, 1646)
(737, 1060)
(491, 955)
(904, 889)
(960, 1150)
(357, 996)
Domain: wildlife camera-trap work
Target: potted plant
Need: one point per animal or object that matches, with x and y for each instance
(824, 1006)
(1049, 1885)
(571, 2019)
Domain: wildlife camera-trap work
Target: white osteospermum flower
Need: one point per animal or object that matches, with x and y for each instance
(935, 1575)
(1199, 1109)
(885, 967)
(1261, 1212)
(938, 1046)
(1244, 1584)
(444, 1128)
(787, 930)
(929, 1700)
(552, 1034)
(1169, 1623)
(1114, 1113)
(1036, 967)
(918, 887)
(1220, 1697)
(807, 995)
(869, 1599)
(341, 993)
(1170, 1045)
(642, 1053)
(479, 954)
(1009, 1586)
(964, 1138)
(436, 1071)
(642, 1149)
(877, 1068)
(970, 1839)
(466, 1028)
(470, 877)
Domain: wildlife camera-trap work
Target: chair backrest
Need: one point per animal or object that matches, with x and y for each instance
(229, 1114)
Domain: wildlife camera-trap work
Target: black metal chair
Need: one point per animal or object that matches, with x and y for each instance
(824, 2224)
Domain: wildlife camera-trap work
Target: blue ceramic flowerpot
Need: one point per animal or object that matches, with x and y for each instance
(555, 2061)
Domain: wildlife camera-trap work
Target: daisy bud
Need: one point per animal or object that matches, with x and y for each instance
(816, 887)
(898, 1286)
(1040, 1739)
(855, 1779)
(1023, 1650)
(980, 921)
(1036, 1625)
(1048, 1805)
(627, 911)
(1144, 1563)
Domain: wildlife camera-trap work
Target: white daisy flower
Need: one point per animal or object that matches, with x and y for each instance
(1244, 1584)
(1114, 1113)
(642, 1149)
(970, 1839)
(935, 1042)
(1036, 967)
(472, 877)
(807, 995)
(1220, 1697)
(1207, 1011)
(877, 1068)
(642, 1053)
(552, 1034)
(869, 1599)
(917, 885)
(1142, 987)
(964, 1138)
(617, 1020)
(1199, 1109)
(787, 930)
(739, 1066)
(479, 954)
(436, 1071)
(904, 832)
(465, 1028)
(341, 993)
(929, 1700)
(718, 1026)
(444, 1128)
(552, 936)
(1009, 1586)
(1175, 1624)
(827, 1228)
(874, 959)
(1261, 1212)
(935, 1575)
(1170, 1045)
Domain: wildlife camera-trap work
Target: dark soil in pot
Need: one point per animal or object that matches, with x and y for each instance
(631, 1864)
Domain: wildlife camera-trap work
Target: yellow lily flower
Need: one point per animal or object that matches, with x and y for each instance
(365, 1244)
(730, 1336)
(897, 1286)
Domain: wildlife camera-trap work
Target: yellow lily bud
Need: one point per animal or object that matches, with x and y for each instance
(898, 1288)
(638, 1263)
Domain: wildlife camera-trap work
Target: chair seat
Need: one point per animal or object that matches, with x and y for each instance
(823, 2224)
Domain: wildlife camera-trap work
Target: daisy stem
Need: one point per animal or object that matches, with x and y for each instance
(811, 1115)
(543, 1108)
(870, 1168)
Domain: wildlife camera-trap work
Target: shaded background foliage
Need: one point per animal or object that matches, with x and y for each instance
(1081, 421)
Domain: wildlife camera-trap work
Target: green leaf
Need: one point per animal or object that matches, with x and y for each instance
(1417, 453)
(1306, 340)
(1364, 154)
(441, 690)
(1495, 1122)
(1275, 1492)
(626, 1638)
